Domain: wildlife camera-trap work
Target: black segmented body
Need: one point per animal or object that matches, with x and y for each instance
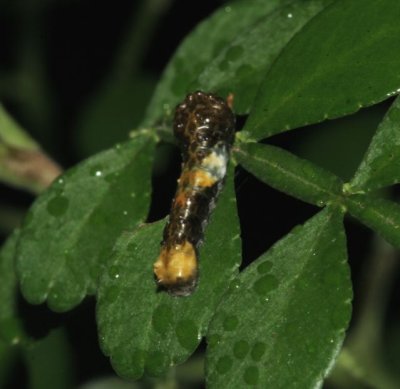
(204, 125)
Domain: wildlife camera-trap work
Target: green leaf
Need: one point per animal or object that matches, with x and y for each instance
(289, 173)
(11, 331)
(342, 60)
(383, 216)
(283, 323)
(381, 164)
(72, 227)
(143, 330)
(240, 66)
(201, 47)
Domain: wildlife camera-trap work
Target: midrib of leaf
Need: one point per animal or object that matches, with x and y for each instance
(288, 173)
(375, 211)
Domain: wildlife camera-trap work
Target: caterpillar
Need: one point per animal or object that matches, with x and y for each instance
(204, 126)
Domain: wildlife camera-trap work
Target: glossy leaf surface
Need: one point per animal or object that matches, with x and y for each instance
(143, 330)
(381, 164)
(341, 60)
(382, 216)
(283, 323)
(233, 50)
(289, 173)
(71, 229)
(203, 44)
(240, 67)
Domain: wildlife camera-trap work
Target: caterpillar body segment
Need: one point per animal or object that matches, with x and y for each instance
(204, 125)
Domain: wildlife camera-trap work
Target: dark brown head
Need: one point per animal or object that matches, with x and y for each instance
(204, 119)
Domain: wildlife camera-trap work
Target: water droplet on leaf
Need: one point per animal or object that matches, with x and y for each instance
(265, 284)
(251, 375)
(230, 323)
(187, 334)
(258, 351)
(224, 364)
(162, 319)
(264, 267)
(58, 205)
(240, 349)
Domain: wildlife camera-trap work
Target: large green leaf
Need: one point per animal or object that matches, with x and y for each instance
(201, 47)
(343, 59)
(240, 66)
(381, 164)
(283, 323)
(143, 330)
(288, 173)
(11, 331)
(72, 227)
(383, 216)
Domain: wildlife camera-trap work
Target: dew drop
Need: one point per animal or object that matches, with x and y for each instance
(162, 319)
(187, 334)
(240, 349)
(224, 364)
(244, 71)
(213, 340)
(265, 284)
(234, 53)
(223, 65)
(251, 375)
(114, 271)
(112, 294)
(264, 267)
(235, 284)
(57, 206)
(230, 323)
(96, 171)
(258, 351)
